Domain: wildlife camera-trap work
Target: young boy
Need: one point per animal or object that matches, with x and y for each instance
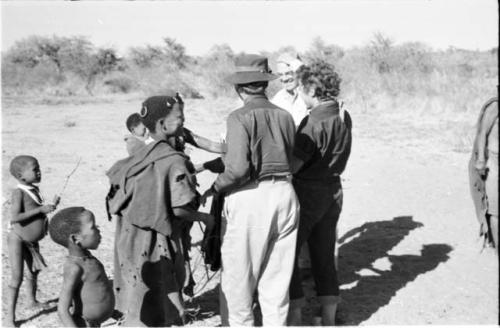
(85, 287)
(153, 194)
(139, 136)
(28, 225)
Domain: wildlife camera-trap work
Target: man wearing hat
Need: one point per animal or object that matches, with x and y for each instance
(261, 208)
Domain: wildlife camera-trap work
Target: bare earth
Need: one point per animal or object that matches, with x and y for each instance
(408, 247)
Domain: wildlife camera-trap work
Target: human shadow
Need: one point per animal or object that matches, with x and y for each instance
(52, 308)
(371, 292)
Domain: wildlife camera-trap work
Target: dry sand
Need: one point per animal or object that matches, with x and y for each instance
(409, 252)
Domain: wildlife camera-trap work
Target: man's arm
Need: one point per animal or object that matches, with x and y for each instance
(203, 143)
(72, 275)
(237, 159)
(489, 117)
(18, 216)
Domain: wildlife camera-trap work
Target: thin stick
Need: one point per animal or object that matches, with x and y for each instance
(69, 176)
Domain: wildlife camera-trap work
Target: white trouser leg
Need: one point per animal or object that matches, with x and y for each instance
(259, 235)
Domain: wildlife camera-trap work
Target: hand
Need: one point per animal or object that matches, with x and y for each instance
(45, 209)
(206, 194)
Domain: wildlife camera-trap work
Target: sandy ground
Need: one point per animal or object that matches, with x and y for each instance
(409, 252)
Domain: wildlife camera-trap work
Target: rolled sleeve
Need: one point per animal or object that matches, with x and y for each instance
(182, 190)
(237, 159)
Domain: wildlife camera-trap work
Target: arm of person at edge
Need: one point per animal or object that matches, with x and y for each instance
(16, 209)
(203, 143)
(486, 124)
(237, 165)
(72, 276)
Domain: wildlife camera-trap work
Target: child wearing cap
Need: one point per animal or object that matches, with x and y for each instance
(153, 195)
(28, 225)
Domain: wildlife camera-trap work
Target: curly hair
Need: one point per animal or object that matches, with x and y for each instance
(65, 223)
(321, 76)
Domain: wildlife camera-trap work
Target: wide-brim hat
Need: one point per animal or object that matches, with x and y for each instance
(251, 68)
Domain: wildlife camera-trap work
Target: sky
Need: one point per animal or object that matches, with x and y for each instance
(257, 25)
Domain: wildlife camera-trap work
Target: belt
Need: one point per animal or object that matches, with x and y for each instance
(274, 178)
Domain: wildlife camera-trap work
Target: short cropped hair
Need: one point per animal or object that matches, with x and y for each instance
(254, 88)
(65, 223)
(157, 107)
(18, 163)
(321, 76)
(132, 121)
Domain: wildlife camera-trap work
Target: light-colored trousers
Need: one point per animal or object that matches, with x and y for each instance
(258, 250)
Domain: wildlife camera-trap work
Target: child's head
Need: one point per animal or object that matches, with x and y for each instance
(135, 125)
(163, 115)
(75, 225)
(25, 169)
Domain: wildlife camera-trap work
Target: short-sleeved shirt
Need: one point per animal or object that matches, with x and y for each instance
(182, 182)
(292, 103)
(323, 143)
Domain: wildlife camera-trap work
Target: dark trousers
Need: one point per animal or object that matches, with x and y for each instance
(320, 207)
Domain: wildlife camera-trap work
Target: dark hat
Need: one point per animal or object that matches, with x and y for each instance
(251, 68)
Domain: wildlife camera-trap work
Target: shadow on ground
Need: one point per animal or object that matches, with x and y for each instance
(52, 308)
(370, 242)
(204, 306)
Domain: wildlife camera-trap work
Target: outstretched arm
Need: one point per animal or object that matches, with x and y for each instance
(16, 210)
(203, 143)
(72, 276)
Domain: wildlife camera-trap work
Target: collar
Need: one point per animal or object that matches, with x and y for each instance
(251, 98)
(325, 108)
(32, 191)
(27, 187)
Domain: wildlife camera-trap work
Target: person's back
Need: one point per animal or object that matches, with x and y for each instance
(271, 135)
(261, 207)
(326, 133)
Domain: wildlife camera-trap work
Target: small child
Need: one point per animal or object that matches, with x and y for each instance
(28, 225)
(139, 136)
(153, 194)
(86, 287)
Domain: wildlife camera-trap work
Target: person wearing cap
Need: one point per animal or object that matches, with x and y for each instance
(321, 151)
(153, 195)
(288, 98)
(261, 208)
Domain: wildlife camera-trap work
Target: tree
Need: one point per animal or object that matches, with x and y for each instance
(175, 52)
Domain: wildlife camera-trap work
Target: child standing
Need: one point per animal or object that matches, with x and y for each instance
(153, 193)
(28, 225)
(139, 136)
(86, 287)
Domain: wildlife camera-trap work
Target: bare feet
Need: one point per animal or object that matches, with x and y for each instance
(10, 323)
